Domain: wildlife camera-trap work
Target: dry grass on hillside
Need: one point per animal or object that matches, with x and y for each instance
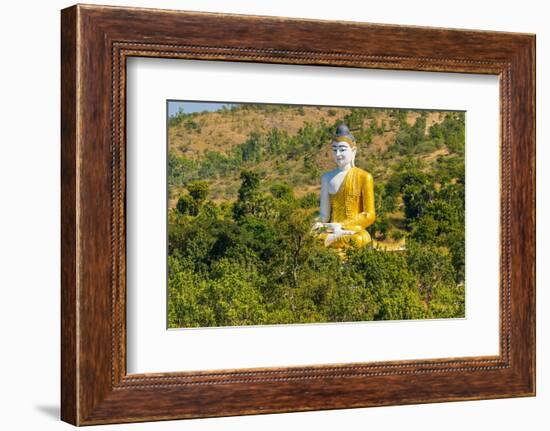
(223, 131)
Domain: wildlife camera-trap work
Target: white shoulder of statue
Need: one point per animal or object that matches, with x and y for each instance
(328, 175)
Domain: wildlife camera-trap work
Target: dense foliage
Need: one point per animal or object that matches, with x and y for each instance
(250, 258)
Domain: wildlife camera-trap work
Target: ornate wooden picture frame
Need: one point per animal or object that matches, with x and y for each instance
(96, 41)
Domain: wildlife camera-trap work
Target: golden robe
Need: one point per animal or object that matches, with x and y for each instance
(353, 206)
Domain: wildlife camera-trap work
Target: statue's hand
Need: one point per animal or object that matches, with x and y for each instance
(341, 232)
(335, 227)
(331, 227)
(338, 232)
(318, 225)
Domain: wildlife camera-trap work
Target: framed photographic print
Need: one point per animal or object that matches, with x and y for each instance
(259, 217)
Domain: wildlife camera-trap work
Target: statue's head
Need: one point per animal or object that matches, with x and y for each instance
(344, 147)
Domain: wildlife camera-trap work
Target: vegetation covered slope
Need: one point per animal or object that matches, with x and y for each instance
(244, 189)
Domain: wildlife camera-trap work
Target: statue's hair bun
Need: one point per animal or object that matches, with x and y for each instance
(343, 131)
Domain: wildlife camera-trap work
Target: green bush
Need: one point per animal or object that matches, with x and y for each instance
(187, 206)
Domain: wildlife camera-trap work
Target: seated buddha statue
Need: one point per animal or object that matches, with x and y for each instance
(347, 197)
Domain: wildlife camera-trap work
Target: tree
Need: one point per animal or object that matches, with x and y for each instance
(251, 200)
(250, 183)
(251, 149)
(309, 200)
(198, 191)
(432, 267)
(438, 220)
(190, 204)
(180, 170)
(282, 191)
(186, 294)
(390, 284)
(451, 132)
(187, 205)
(276, 141)
(416, 197)
(232, 296)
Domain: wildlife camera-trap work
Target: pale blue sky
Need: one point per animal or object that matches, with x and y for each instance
(174, 106)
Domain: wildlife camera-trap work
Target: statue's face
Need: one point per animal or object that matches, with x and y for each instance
(343, 153)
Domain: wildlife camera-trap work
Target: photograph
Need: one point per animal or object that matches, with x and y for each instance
(274, 209)
(300, 214)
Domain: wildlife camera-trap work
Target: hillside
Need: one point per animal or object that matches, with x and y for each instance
(214, 138)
